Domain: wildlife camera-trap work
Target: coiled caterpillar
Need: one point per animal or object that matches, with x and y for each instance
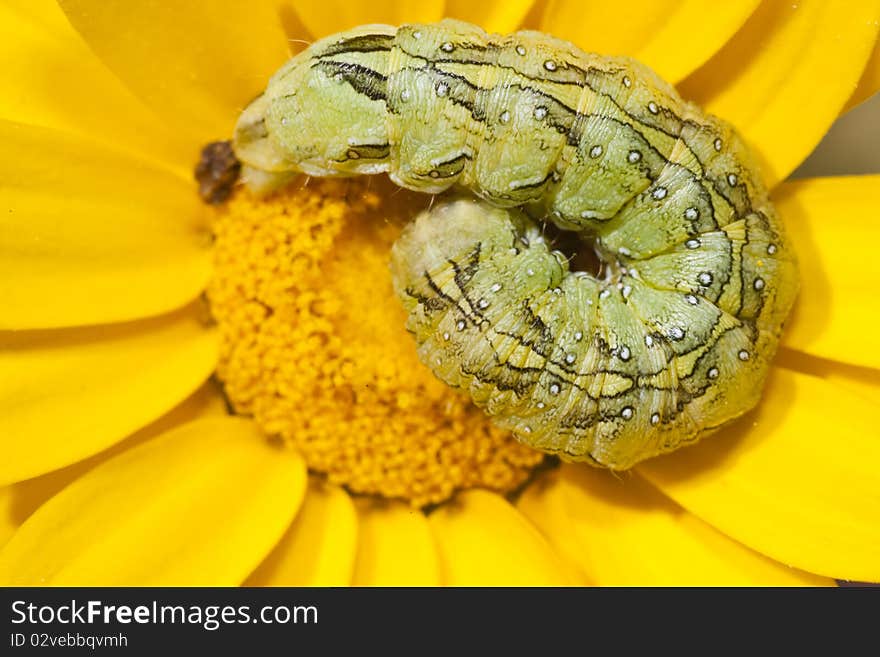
(672, 343)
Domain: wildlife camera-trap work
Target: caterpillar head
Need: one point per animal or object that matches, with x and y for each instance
(320, 115)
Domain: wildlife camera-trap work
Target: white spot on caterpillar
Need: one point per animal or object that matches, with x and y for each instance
(505, 116)
(442, 89)
(550, 65)
(447, 47)
(758, 284)
(595, 151)
(705, 278)
(627, 412)
(633, 157)
(743, 355)
(540, 112)
(652, 107)
(693, 243)
(521, 51)
(659, 193)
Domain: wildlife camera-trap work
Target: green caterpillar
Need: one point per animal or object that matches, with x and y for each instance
(674, 341)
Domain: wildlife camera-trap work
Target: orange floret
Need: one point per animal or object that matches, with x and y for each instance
(314, 347)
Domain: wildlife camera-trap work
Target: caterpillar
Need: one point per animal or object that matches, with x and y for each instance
(673, 340)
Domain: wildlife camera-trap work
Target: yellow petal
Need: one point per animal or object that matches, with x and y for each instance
(622, 532)
(834, 229)
(323, 17)
(673, 37)
(67, 394)
(201, 505)
(394, 546)
(861, 381)
(9, 515)
(797, 480)
(206, 402)
(195, 64)
(19, 500)
(90, 236)
(51, 78)
(484, 541)
(869, 84)
(500, 16)
(319, 548)
(785, 77)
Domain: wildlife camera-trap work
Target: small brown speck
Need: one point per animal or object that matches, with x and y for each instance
(217, 172)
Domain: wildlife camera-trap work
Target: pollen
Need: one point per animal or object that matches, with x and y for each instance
(315, 350)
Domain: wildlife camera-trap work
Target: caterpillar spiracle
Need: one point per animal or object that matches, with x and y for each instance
(673, 341)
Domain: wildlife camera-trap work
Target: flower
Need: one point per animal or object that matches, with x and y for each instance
(123, 466)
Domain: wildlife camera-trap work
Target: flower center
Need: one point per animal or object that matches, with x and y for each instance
(314, 347)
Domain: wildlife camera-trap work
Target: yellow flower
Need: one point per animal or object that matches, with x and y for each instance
(122, 466)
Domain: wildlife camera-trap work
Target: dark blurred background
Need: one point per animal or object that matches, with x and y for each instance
(852, 146)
